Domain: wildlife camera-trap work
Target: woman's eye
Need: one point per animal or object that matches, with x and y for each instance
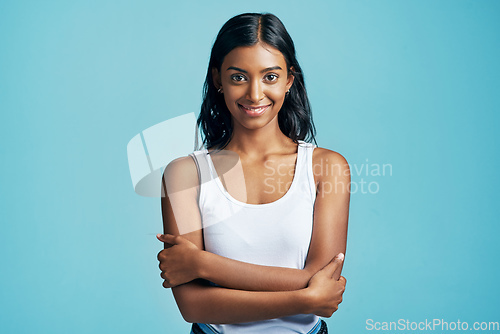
(237, 77)
(272, 77)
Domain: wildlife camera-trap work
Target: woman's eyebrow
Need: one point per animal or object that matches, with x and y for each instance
(273, 68)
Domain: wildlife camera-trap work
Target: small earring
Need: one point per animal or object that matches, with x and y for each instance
(287, 92)
(219, 90)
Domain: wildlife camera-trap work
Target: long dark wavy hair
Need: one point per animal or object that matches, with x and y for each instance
(294, 118)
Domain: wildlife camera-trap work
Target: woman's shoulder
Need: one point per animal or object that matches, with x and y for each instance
(181, 173)
(325, 153)
(327, 160)
(181, 164)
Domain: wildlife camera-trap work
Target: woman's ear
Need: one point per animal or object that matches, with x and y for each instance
(290, 78)
(216, 78)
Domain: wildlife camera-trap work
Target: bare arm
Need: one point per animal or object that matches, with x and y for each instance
(215, 305)
(331, 209)
(207, 304)
(185, 262)
(328, 239)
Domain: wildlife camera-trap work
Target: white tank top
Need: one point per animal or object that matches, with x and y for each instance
(272, 234)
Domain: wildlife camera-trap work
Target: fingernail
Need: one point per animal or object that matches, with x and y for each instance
(158, 235)
(340, 256)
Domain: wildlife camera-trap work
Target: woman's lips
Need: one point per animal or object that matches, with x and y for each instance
(253, 111)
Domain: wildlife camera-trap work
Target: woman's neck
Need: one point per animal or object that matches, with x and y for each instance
(260, 142)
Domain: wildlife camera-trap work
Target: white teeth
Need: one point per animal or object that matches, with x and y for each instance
(255, 109)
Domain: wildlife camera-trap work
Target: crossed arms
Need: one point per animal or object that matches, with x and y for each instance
(252, 292)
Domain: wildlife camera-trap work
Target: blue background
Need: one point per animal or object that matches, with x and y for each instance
(413, 84)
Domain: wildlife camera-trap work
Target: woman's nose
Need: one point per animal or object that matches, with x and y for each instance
(255, 91)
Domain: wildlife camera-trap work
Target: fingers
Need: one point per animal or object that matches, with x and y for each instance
(169, 238)
(343, 282)
(334, 264)
(172, 240)
(163, 255)
(166, 285)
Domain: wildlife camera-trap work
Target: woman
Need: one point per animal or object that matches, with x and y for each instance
(262, 213)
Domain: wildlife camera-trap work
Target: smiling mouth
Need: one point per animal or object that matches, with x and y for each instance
(253, 111)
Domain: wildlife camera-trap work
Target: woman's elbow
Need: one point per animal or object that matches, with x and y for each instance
(188, 316)
(187, 304)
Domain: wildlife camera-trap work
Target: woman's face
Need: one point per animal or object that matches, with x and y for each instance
(254, 81)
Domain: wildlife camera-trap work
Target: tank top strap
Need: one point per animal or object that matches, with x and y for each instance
(307, 166)
(201, 161)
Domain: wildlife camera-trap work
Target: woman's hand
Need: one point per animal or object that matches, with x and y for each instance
(178, 263)
(325, 292)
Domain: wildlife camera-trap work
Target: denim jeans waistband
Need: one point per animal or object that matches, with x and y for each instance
(319, 328)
